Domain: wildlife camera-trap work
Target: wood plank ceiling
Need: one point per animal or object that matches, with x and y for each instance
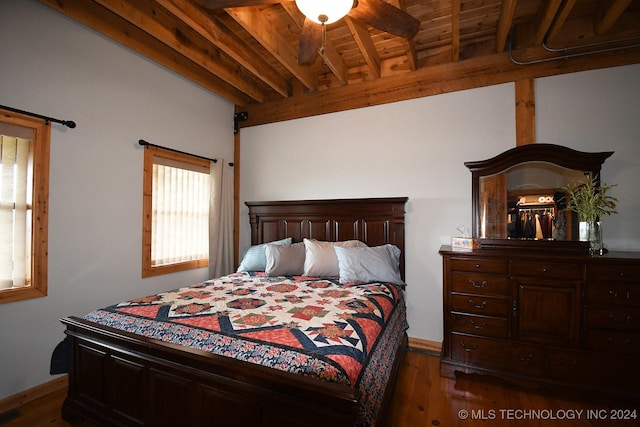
(248, 55)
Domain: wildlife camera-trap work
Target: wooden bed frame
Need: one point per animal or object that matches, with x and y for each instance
(120, 379)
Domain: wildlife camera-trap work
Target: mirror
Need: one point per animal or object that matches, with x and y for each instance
(518, 195)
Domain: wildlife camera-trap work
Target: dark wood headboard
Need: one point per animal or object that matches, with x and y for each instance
(374, 221)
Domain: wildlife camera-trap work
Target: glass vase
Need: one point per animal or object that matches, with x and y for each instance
(594, 236)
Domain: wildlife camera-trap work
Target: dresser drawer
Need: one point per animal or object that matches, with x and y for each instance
(612, 317)
(614, 273)
(502, 355)
(612, 341)
(480, 304)
(480, 325)
(494, 266)
(479, 284)
(546, 269)
(592, 368)
(624, 294)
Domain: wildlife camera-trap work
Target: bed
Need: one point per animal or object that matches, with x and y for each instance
(139, 363)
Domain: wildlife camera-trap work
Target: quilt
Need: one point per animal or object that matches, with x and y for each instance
(310, 326)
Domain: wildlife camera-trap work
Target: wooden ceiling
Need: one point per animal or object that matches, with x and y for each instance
(248, 55)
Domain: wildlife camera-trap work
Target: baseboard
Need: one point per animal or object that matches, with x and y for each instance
(425, 346)
(33, 393)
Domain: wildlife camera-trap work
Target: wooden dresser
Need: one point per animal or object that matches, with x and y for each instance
(535, 317)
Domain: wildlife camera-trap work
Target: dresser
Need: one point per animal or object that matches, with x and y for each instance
(550, 319)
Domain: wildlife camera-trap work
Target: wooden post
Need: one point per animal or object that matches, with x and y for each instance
(525, 112)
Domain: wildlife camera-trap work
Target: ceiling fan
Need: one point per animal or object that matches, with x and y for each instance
(319, 13)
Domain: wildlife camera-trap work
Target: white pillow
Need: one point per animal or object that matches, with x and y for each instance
(285, 260)
(320, 257)
(255, 259)
(376, 264)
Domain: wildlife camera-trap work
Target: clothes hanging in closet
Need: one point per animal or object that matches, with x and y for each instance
(532, 223)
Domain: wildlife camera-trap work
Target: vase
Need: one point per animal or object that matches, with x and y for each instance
(594, 237)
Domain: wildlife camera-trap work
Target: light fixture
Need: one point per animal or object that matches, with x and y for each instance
(324, 11)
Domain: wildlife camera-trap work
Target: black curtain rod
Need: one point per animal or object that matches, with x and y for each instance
(145, 143)
(68, 123)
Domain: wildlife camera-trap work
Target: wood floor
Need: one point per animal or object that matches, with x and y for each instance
(424, 399)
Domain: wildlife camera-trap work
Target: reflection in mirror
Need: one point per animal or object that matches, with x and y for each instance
(531, 195)
(519, 195)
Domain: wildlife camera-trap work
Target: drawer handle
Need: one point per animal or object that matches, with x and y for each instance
(469, 348)
(545, 270)
(614, 294)
(475, 284)
(483, 304)
(626, 343)
(523, 357)
(628, 320)
(477, 325)
(571, 364)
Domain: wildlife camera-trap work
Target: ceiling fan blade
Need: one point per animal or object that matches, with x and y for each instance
(310, 41)
(386, 17)
(223, 4)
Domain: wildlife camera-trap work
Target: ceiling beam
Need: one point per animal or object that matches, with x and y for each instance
(334, 61)
(408, 44)
(217, 34)
(610, 13)
(223, 4)
(360, 33)
(455, 30)
(561, 18)
(254, 22)
(504, 24)
(177, 35)
(546, 13)
(433, 80)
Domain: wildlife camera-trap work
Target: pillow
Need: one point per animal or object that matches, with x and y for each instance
(320, 257)
(255, 259)
(285, 260)
(376, 264)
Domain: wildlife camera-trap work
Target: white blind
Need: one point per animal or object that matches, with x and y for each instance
(15, 211)
(180, 214)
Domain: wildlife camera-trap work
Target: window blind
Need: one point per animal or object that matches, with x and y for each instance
(15, 210)
(180, 213)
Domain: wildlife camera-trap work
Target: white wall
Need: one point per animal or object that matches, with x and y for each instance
(600, 111)
(417, 148)
(414, 148)
(54, 66)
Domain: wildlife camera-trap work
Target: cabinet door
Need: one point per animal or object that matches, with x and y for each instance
(545, 311)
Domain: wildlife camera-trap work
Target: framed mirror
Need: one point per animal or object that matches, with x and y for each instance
(518, 195)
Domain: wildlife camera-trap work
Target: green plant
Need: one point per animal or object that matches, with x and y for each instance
(591, 201)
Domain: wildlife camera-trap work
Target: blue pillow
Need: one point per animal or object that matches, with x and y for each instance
(256, 259)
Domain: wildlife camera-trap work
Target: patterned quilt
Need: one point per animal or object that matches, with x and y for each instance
(344, 333)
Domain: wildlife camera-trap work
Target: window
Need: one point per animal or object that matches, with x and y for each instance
(24, 196)
(175, 212)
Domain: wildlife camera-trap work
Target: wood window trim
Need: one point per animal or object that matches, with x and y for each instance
(147, 269)
(40, 223)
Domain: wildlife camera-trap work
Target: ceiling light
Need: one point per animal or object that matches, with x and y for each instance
(324, 11)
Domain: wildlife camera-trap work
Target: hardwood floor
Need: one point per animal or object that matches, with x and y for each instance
(424, 399)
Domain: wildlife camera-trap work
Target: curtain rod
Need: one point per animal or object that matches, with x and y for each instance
(145, 144)
(68, 123)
